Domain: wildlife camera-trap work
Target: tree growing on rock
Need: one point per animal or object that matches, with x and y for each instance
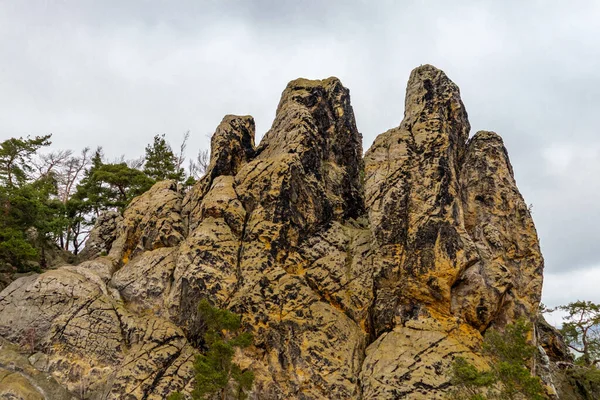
(110, 186)
(508, 376)
(215, 368)
(216, 373)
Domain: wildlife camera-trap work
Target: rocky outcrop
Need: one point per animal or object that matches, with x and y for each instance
(101, 236)
(152, 220)
(96, 337)
(551, 341)
(23, 379)
(456, 247)
(506, 281)
(359, 278)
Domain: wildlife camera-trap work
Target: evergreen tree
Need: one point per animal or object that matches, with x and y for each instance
(160, 161)
(216, 373)
(15, 158)
(90, 191)
(78, 224)
(508, 378)
(30, 215)
(215, 369)
(119, 184)
(65, 170)
(469, 381)
(581, 330)
(15, 211)
(108, 186)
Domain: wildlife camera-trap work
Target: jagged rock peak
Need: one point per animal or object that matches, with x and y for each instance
(506, 281)
(431, 100)
(315, 121)
(316, 113)
(489, 140)
(308, 91)
(231, 145)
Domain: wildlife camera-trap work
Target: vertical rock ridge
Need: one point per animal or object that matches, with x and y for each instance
(412, 195)
(506, 282)
(231, 146)
(315, 121)
(458, 249)
(298, 191)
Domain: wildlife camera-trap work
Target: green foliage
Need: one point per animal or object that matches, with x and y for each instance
(16, 250)
(50, 200)
(188, 183)
(508, 377)
(585, 380)
(75, 211)
(90, 191)
(176, 396)
(30, 215)
(109, 186)
(581, 330)
(160, 161)
(120, 183)
(15, 158)
(469, 380)
(512, 345)
(216, 373)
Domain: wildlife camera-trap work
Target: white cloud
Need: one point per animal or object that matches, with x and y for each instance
(561, 288)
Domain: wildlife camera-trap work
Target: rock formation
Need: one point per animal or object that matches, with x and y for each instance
(359, 277)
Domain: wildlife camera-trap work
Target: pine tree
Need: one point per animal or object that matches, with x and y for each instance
(89, 190)
(160, 161)
(508, 378)
(215, 369)
(30, 215)
(216, 373)
(581, 330)
(15, 158)
(119, 184)
(109, 186)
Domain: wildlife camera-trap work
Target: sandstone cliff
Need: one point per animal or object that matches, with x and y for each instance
(359, 277)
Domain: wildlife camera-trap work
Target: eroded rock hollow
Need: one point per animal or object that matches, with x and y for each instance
(360, 277)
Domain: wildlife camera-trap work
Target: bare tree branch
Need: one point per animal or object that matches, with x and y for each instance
(181, 155)
(198, 167)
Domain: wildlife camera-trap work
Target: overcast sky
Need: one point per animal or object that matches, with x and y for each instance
(115, 73)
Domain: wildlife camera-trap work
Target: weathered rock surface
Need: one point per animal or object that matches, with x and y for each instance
(20, 380)
(101, 236)
(358, 278)
(456, 247)
(551, 341)
(152, 220)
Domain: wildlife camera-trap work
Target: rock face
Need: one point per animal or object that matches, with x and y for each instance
(359, 278)
(102, 236)
(20, 380)
(456, 247)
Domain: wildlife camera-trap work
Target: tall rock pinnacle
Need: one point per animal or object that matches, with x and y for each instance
(431, 198)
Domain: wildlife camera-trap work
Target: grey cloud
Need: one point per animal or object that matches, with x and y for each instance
(115, 73)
